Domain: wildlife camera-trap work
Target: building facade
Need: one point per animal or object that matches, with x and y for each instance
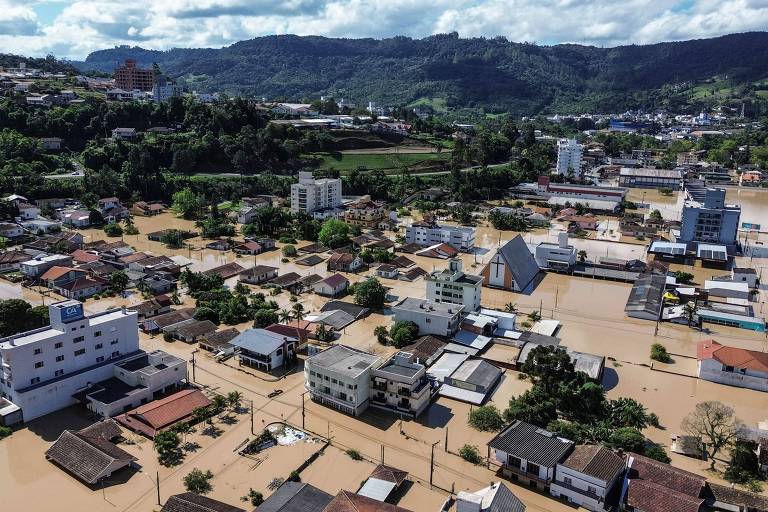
(569, 153)
(453, 286)
(311, 194)
(364, 213)
(129, 76)
(401, 385)
(42, 369)
(559, 256)
(707, 218)
(340, 377)
(461, 238)
(435, 318)
(587, 476)
(732, 366)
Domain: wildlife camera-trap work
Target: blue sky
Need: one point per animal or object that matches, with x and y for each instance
(74, 28)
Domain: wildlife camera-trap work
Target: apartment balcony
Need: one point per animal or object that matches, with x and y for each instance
(573, 488)
(508, 471)
(380, 386)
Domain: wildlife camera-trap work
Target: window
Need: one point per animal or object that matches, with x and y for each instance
(533, 468)
(113, 342)
(99, 345)
(79, 352)
(327, 378)
(568, 480)
(58, 373)
(100, 359)
(115, 353)
(514, 462)
(78, 339)
(58, 345)
(428, 320)
(97, 334)
(334, 381)
(591, 489)
(38, 351)
(311, 383)
(34, 380)
(59, 359)
(312, 372)
(349, 386)
(39, 364)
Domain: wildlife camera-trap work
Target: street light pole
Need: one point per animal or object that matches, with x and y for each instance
(432, 463)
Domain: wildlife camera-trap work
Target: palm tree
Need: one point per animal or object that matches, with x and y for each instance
(185, 429)
(219, 403)
(510, 307)
(534, 315)
(234, 398)
(298, 315)
(582, 256)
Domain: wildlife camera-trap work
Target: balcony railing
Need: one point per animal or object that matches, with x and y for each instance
(520, 472)
(573, 488)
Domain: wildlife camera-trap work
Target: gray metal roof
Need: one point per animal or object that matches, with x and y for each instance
(442, 309)
(344, 360)
(477, 372)
(504, 500)
(520, 261)
(259, 341)
(296, 497)
(529, 442)
(646, 294)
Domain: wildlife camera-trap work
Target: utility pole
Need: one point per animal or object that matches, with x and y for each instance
(157, 482)
(252, 432)
(303, 410)
(382, 454)
(193, 365)
(432, 463)
(445, 446)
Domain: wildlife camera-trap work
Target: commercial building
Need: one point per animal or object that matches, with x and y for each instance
(559, 256)
(732, 366)
(512, 268)
(706, 218)
(36, 267)
(453, 286)
(559, 193)
(311, 194)
(340, 377)
(587, 477)
(437, 318)
(164, 89)
(645, 299)
(569, 153)
(401, 385)
(129, 77)
(44, 368)
(461, 238)
(648, 177)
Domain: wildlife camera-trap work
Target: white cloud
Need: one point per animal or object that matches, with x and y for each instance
(83, 26)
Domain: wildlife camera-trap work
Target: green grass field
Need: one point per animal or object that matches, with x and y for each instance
(438, 104)
(347, 162)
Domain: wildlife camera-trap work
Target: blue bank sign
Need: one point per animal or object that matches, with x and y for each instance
(73, 312)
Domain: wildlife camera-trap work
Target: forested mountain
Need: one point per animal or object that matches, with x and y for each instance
(493, 74)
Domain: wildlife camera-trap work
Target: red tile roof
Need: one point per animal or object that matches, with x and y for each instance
(56, 272)
(335, 280)
(82, 256)
(152, 417)
(655, 486)
(346, 501)
(732, 356)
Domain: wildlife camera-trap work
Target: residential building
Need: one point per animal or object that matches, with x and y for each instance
(461, 238)
(340, 377)
(10, 261)
(559, 256)
(453, 286)
(706, 218)
(28, 211)
(258, 274)
(401, 385)
(471, 382)
(646, 177)
(164, 89)
(129, 76)
(76, 218)
(346, 501)
(687, 159)
(90, 454)
(51, 143)
(732, 366)
(264, 350)
(387, 271)
(650, 486)
(311, 194)
(385, 483)
(44, 368)
(569, 153)
(512, 268)
(295, 497)
(124, 133)
(8, 230)
(744, 275)
(158, 415)
(364, 212)
(145, 209)
(344, 262)
(437, 318)
(528, 454)
(36, 267)
(193, 502)
(587, 477)
(494, 498)
(155, 306)
(331, 286)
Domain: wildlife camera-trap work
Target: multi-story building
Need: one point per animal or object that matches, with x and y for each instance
(129, 77)
(41, 370)
(364, 212)
(647, 177)
(453, 286)
(559, 256)
(310, 194)
(440, 319)
(707, 219)
(340, 377)
(461, 238)
(401, 385)
(588, 476)
(569, 153)
(263, 349)
(164, 89)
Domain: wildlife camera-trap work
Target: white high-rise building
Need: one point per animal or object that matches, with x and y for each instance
(569, 157)
(43, 370)
(309, 194)
(453, 286)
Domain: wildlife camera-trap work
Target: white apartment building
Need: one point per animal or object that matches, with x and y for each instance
(461, 238)
(440, 319)
(569, 157)
(340, 377)
(587, 476)
(310, 194)
(453, 286)
(42, 369)
(401, 385)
